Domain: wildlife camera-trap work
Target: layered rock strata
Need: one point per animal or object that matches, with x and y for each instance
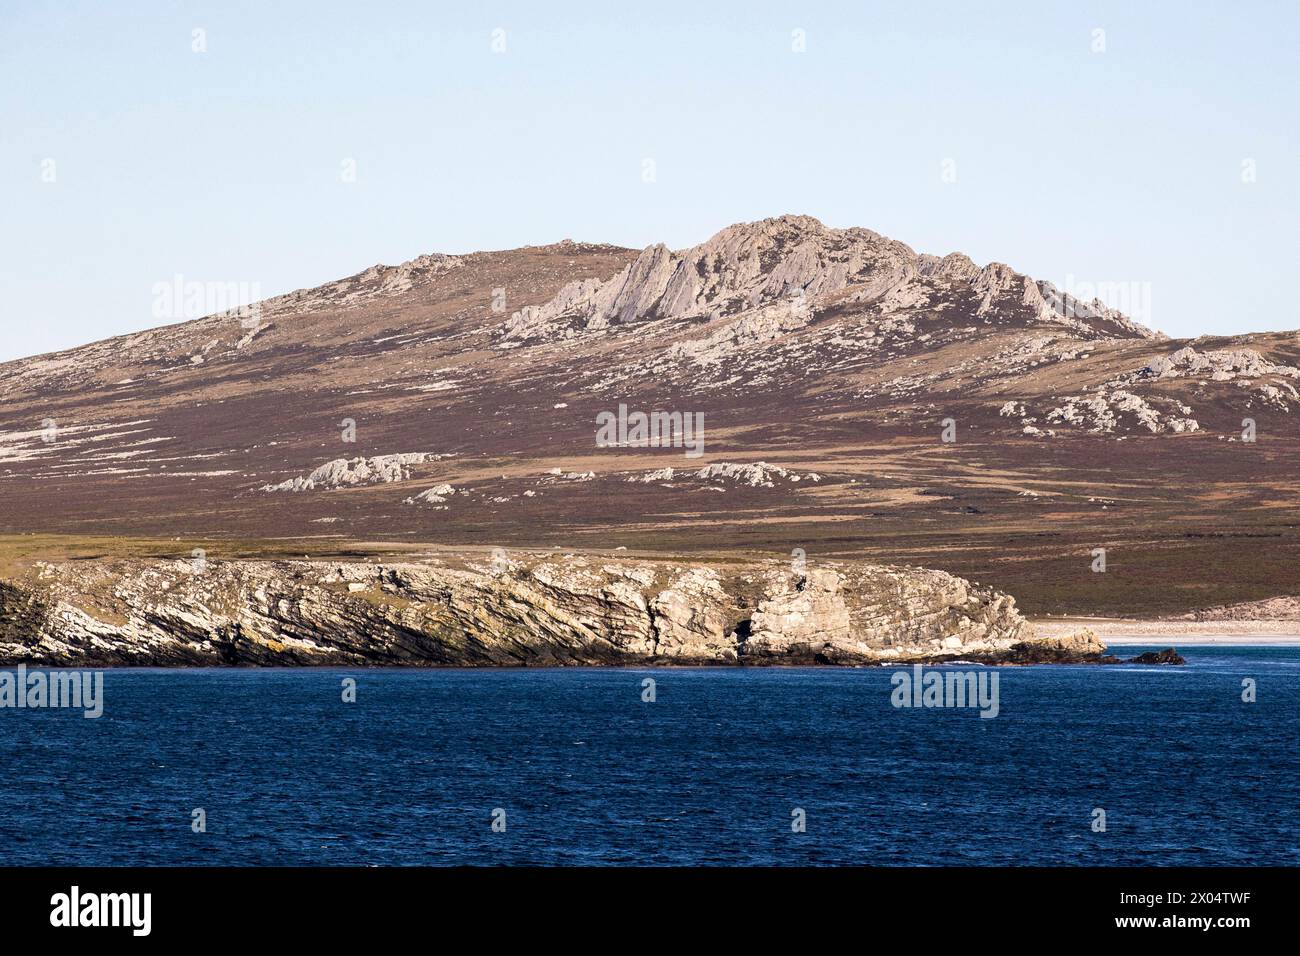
(552, 610)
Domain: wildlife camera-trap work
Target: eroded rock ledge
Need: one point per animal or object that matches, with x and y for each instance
(508, 611)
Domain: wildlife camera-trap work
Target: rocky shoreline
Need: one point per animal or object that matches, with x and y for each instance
(511, 610)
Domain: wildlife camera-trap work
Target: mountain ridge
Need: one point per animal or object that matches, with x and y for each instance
(940, 403)
(382, 279)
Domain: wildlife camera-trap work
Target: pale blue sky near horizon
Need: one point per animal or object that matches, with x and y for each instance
(1122, 166)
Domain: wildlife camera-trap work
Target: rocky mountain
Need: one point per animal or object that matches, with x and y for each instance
(782, 387)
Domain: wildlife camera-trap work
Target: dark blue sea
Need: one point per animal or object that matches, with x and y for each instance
(711, 772)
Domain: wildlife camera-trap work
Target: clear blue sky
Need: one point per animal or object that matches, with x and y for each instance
(224, 166)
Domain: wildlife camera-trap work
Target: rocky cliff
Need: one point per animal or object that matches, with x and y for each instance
(553, 610)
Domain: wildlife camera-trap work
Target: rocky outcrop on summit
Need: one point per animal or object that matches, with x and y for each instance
(525, 610)
(779, 271)
(379, 281)
(742, 267)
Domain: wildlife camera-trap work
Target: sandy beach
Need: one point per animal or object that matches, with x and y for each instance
(1121, 631)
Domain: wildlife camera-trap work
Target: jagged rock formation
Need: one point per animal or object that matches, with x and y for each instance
(777, 272)
(742, 267)
(563, 610)
(343, 473)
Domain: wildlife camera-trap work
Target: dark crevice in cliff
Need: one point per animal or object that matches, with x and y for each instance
(22, 614)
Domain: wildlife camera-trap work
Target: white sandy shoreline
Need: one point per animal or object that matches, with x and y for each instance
(1203, 640)
(1121, 631)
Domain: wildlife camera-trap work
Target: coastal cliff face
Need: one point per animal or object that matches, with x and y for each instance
(502, 611)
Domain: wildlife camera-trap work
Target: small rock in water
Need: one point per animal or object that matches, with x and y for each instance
(1167, 656)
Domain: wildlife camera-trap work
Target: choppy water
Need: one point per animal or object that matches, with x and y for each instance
(709, 773)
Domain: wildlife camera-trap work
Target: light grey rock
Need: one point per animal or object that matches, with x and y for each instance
(569, 609)
(344, 472)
